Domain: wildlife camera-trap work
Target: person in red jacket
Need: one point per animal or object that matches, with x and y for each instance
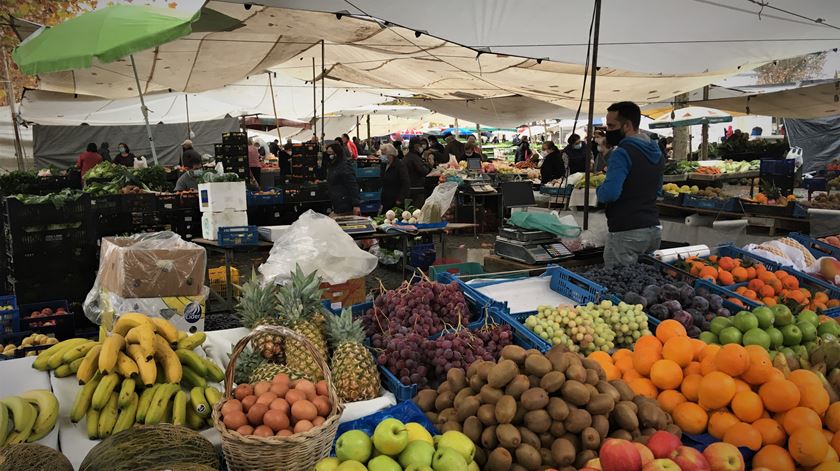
(354, 151)
(88, 159)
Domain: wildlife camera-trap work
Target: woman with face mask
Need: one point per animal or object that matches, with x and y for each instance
(124, 155)
(575, 155)
(418, 168)
(395, 179)
(341, 182)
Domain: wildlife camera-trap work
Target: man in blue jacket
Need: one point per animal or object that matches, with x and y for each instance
(634, 178)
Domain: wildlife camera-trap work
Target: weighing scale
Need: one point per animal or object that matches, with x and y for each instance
(356, 224)
(478, 183)
(530, 246)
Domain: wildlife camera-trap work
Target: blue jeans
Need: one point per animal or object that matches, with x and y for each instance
(624, 248)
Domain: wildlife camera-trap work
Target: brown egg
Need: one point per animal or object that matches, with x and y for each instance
(263, 431)
(323, 405)
(276, 419)
(281, 378)
(303, 426)
(304, 410)
(243, 390)
(318, 421)
(284, 433)
(280, 389)
(247, 402)
(308, 387)
(266, 398)
(261, 387)
(322, 389)
(294, 395)
(234, 420)
(246, 430)
(281, 405)
(231, 405)
(255, 414)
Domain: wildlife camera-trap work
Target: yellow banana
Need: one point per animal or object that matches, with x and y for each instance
(182, 335)
(165, 329)
(103, 332)
(213, 395)
(214, 373)
(160, 401)
(89, 365)
(108, 417)
(24, 415)
(47, 406)
(56, 359)
(191, 359)
(199, 402)
(74, 365)
(103, 391)
(83, 398)
(77, 352)
(126, 367)
(4, 423)
(194, 421)
(111, 348)
(63, 371)
(192, 341)
(168, 360)
(146, 369)
(130, 320)
(93, 424)
(40, 362)
(126, 390)
(127, 415)
(179, 408)
(145, 402)
(143, 335)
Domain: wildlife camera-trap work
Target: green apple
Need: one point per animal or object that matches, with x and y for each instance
(781, 315)
(709, 337)
(792, 335)
(809, 331)
(745, 321)
(353, 445)
(447, 459)
(473, 467)
(383, 463)
(390, 437)
(351, 465)
(829, 327)
(808, 316)
(776, 337)
(718, 324)
(458, 442)
(730, 335)
(757, 337)
(420, 468)
(327, 464)
(764, 315)
(418, 453)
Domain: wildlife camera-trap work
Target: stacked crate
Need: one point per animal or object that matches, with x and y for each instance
(233, 153)
(369, 179)
(303, 185)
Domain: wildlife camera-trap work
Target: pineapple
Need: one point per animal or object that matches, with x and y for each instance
(246, 364)
(266, 371)
(354, 372)
(297, 302)
(256, 307)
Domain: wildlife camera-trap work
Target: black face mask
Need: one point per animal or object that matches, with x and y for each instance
(614, 137)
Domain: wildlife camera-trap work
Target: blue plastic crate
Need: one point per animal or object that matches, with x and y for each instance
(817, 248)
(728, 204)
(368, 172)
(368, 207)
(556, 190)
(238, 235)
(254, 199)
(370, 195)
(405, 412)
(777, 167)
(422, 256)
(10, 318)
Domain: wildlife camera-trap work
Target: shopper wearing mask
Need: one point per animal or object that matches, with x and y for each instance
(441, 157)
(341, 183)
(395, 179)
(398, 144)
(633, 180)
(189, 179)
(454, 147)
(552, 165)
(523, 152)
(124, 156)
(418, 168)
(470, 152)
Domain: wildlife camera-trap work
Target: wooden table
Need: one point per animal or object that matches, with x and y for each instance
(228, 251)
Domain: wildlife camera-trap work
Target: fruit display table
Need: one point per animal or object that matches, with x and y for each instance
(19, 377)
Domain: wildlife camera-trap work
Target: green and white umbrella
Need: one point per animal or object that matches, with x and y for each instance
(690, 116)
(103, 35)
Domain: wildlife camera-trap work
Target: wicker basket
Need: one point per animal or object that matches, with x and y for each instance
(298, 452)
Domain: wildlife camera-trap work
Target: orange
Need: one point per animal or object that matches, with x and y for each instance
(630, 374)
(751, 273)
(781, 274)
(747, 406)
(770, 302)
(811, 391)
(716, 390)
(690, 417)
(679, 349)
(760, 368)
(743, 434)
(643, 387)
(725, 278)
(708, 273)
(726, 263)
(709, 350)
(828, 435)
(666, 374)
(766, 291)
(611, 371)
(740, 274)
(799, 417)
(750, 294)
(832, 417)
(796, 296)
(741, 386)
(779, 395)
(808, 446)
(765, 275)
(720, 421)
(755, 285)
(670, 328)
(644, 359)
(691, 386)
(707, 365)
(771, 431)
(827, 465)
(600, 357)
(735, 301)
(693, 368)
(648, 342)
(669, 399)
(732, 359)
(624, 363)
(790, 282)
(621, 353)
(835, 442)
(773, 457)
(699, 346)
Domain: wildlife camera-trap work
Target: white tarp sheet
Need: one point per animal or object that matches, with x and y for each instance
(504, 112)
(816, 101)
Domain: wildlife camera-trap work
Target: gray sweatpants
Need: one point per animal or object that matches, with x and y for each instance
(624, 248)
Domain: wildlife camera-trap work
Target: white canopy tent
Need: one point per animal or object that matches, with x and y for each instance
(815, 101)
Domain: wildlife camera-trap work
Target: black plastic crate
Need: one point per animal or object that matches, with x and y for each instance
(144, 219)
(265, 215)
(167, 201)
(239, 160)
(110, 204)
(235, 138)
(50, 239)
(47, 266)
(139, 202)
(218, 150)
(188, 200)
(304, 160)
(768, 210)
(370, 184)
(20, 216)
(112, 224)
(73, 288)
(305, 148)
(60, 325)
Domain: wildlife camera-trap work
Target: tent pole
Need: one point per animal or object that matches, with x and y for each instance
(368, 129)
(314, 100)
(274, 105)
(478, 131)
(144, 110)
(10, 97)
(589, 127)
(704, 145)
(357, 126)
(187, 105)
(323, 73)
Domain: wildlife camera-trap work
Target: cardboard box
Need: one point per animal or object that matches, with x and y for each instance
(187, 313)
(222, 196)
(344, 294)
(175, 269)
(211, 222)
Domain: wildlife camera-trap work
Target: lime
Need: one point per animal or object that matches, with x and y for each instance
(757, 337)
(745, 321)
(709, 337)
(718, 324)
(792, 335)
(809, 331)
(782, 315)
(765, 316)
(776, 337)
(730, 335)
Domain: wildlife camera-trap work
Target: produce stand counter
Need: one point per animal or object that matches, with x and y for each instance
(404, 236)
(758, 220)
(227, 251)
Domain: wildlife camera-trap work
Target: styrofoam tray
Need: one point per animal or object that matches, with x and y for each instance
(525, 295)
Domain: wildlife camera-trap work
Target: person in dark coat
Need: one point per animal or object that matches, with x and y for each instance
(454, 147)
(274, 147)
(189, 153)
(418, 168)
(441, 156)
(124, 156)
(105, 152)
(395, 180)
(523, 152)
(575, 155)
(284, 159)
(341, 183)
(552, 166)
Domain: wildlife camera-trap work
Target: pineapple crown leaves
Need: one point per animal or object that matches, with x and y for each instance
(300, 297)
(343, 328)
(256, 301)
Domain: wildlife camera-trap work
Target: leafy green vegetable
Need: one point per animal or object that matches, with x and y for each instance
(154, 178)
(57, 199)
(16, 182)
(106, 171)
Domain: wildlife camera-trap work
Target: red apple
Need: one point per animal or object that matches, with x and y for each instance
(662, 464)
(620, 455)
(689, 459)
(662, 444)
(645, 453)
(594, 463)
(723, 457)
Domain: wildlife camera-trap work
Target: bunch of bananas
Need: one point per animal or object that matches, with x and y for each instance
(27, 417)
(144, 372)
(33, 340)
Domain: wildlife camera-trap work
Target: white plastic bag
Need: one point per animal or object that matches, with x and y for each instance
(140, 162)
(438, 203)
(795, 153)
(316, 242)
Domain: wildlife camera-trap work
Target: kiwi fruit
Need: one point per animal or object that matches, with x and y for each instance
(533, 381)
(563, 452)
(444, 386)
(558, 359)
(651, 415)
(537, 421)
(489, 394)
(624, 417)
(673, 429)
(483, 369)
(583, 457)
(473, 428)
(546, 439)
(501, 373)
(528, 456)
(444, 400)
(518, 385)
(450, 426)
(557, 408)
(517, 467)
(469, 406)
(590, 438)
(557, 428)
(460, 395)
(476, 383)
(547, 459)
(447, 414)
(480, 457)
(508, 435)
(473, 368)
(623, 389)
(529, 437)
(487, 414)
(574, 392)
(432, 416)
(537, 365)
(602, 424)
(590, 364)
(576, 372)
(577, 420)
(505, 409)
(514, 353)
(425, 399)
(498, 460)
(534, 398)
(574, 439)
(594, 376)
(607, 388)
(457, 379)
(552, 381)
(520, 414)
(600, 403)
(592, 389)
(488, 437)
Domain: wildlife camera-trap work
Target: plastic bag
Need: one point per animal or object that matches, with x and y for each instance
(795, 154)
(316, 242)
(438, 203)
(787, 252)
(548, 222)
(140, 162)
